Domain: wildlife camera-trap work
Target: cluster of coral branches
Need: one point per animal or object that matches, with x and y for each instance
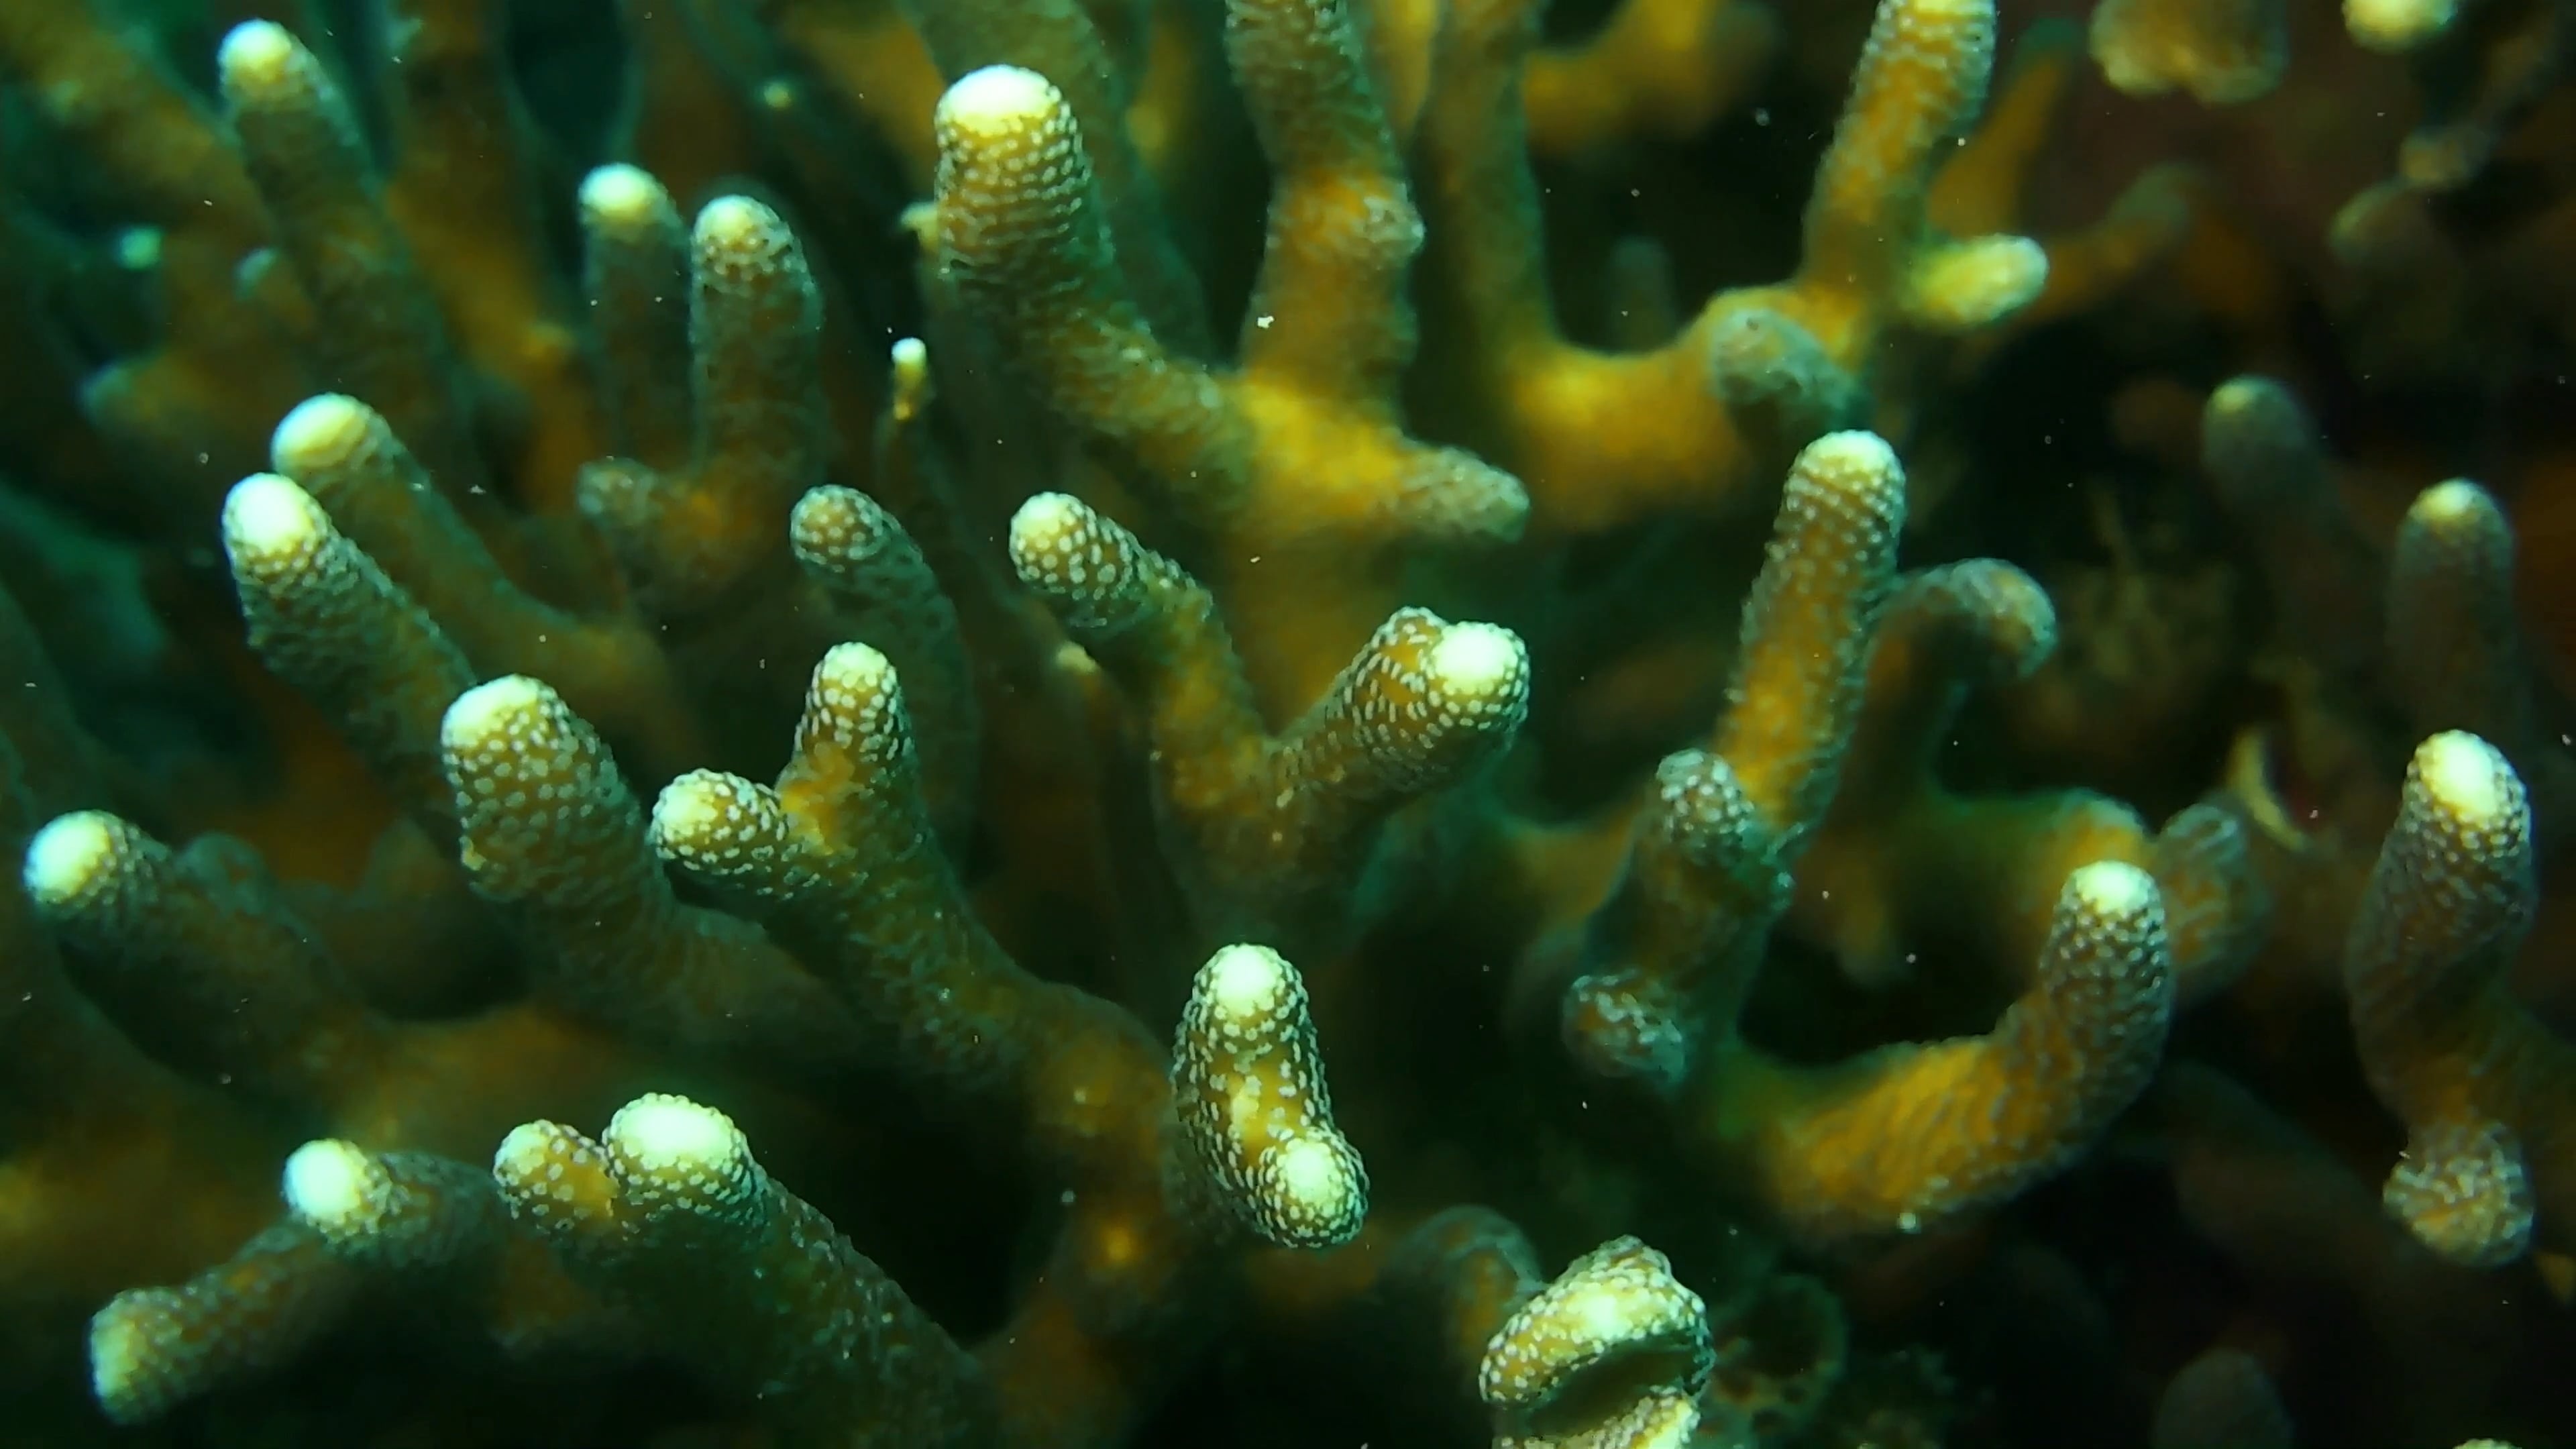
(717, 713)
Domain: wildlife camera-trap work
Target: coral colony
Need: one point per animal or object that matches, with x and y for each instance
(1094, 722)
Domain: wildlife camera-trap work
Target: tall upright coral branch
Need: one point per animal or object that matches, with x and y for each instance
(1905, 1137)
(382, 337)
(1607, 438)
(2487, 1092)
(1291, 478)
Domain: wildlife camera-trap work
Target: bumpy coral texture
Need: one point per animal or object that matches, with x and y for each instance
(784, 792)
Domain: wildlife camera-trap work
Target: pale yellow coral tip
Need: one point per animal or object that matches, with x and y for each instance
(72, 858)
(2394, 26)
(1246, 984)
(267, 516)
(1478, 659)
(260, 60)
(321, 432)
(2454, 505)
(997, 100)
(331, 1184)
(661, 1133)
(2464, 778)
(490, 711)
(2112, 888)
(623, 197)
(739, 224)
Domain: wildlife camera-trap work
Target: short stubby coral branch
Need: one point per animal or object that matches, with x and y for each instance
(392, 1210)
(2398, 26)
(869, 565)
(1611, 1355)
(1256, 1121)
(635, 268)
(1681, 939)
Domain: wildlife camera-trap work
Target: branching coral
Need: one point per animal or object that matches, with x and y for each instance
(1907, 1137)
(633, 643)
(1294, 472)
(668, 1211)
(2222, 53)
(2482, 1087)
(1692, 415)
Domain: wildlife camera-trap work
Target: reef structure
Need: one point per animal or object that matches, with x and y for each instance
(799, 633)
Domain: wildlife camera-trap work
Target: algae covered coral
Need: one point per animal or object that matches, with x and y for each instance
(1092, 722)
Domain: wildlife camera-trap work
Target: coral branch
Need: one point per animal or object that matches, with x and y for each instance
(1612, 1355)
(2485, 1090)
(764, 1295)
(1254, 1111)
(1907, 1138)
